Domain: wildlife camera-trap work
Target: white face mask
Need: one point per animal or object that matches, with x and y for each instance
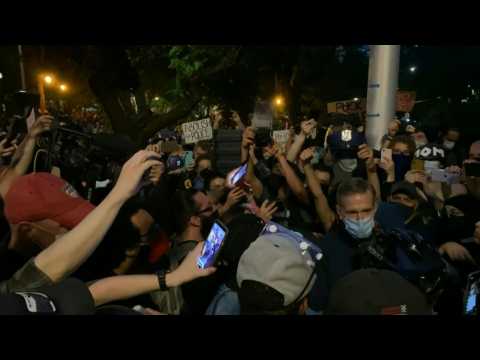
(347, 165)
(449, 145)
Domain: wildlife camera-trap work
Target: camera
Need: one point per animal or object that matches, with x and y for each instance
(408, 254)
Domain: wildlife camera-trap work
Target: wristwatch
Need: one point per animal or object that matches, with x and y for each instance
(161, 274)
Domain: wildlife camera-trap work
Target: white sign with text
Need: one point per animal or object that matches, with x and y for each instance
(197, 130)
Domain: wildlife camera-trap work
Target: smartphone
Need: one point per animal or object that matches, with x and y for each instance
(471, 296)
(472, 170)
(188, 159)
(235, 177)
(386, 154)
(213, 245)
(418, 165)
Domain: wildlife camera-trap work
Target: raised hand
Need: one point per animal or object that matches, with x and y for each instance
(267, 210)
(41, 125)
(132, 171)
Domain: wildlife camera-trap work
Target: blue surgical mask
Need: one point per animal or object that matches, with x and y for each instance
(359, 229)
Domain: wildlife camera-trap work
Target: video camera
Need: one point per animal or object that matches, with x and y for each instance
(408, 254)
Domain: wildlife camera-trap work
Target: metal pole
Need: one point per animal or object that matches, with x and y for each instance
(22, 70)
(382, 89)
(41, 92)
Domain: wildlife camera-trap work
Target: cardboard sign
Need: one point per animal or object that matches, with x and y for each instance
(405, 100)
(281, 138)
(347, 106)
(197, 130)
(263, 116)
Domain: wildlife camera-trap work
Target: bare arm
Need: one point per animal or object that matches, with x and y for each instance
(292, 179)
(70, 251)
(327, 216)
(256, 184)
(24, 154)
(365, 153)
(296, 147)
(123, 287)
(248, 139)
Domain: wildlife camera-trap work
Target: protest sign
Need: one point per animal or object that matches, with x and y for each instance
(347, 106)
(281, 138)
(197, 130)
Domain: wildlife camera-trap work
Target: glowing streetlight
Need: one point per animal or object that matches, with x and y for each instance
(48, 79)
(413, 69)
(279, 101)
(1, 76)
(156, 98)
(63, 87)
(356, 99)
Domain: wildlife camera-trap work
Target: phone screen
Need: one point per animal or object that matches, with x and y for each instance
(386, 154)
(237, 175)
(472, 294)
(212, 245)
(188, 159)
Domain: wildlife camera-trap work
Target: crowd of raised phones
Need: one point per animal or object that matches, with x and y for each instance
(321, 225)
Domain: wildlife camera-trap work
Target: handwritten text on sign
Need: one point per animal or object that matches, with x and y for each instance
(197, 130)
(281, 138)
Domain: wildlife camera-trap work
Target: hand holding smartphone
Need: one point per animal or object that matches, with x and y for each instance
(472, 294)
(386, 155)
(213, 244)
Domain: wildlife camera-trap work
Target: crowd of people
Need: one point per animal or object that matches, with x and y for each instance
(322, 225)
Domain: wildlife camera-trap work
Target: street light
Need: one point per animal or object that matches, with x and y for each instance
(1, 76)
(48, 79)
(355, 99)
(156, 98)
(63, 87)
(413, 69)
(278, 101)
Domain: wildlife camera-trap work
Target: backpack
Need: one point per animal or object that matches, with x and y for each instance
(171, 301)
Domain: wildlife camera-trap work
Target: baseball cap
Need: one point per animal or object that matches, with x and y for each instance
(69, 297)
(376, 292)
(405, 187)
(280, 262)
(40, 196)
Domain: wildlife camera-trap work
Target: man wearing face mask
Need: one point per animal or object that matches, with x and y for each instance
(193, 216)
(358, 222)
(454, 152)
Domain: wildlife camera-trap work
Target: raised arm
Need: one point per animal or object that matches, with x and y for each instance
(366, 153)
(248, 139)
(68, 252)
(327, 216)
(295, 184)
(296, 147)
(124, 287)
(23, 155)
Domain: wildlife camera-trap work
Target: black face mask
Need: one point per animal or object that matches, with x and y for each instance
(402, 165)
